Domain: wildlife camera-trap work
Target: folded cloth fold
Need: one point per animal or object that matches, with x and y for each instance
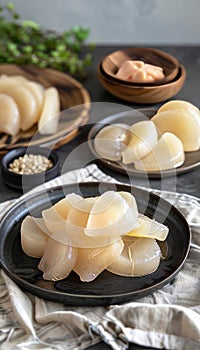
(167, 319)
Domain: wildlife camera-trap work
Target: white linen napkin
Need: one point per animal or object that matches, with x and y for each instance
(168, 318)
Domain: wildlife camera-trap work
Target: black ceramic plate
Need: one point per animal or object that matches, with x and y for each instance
(107, 288)
(192, 159)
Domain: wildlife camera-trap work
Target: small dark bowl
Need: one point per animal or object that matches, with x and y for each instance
(26, 182)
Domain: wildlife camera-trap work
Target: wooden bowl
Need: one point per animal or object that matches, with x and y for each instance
(143, 94)
(111, 63)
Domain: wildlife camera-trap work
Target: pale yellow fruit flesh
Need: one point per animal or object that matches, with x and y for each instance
(143, 138)
(49, 118)
(33, 239)
(35, 103)
(184, 124)
(66, 247)
(37, 90)
(146, 254)
(26, 103)
(10, 116)
(139, 71)
(57, 261)
(106, 210)
(55, 216)
(111, 216)
(130, 199)
(91, 262)
(167, 154)
(55, 219)
(63, 206)
(66, 221)
(150, 228)
(123, 265)
(7, 82)
(140, 256)
(178, 105)
(78, 214)
(111, 141)
(75, 237)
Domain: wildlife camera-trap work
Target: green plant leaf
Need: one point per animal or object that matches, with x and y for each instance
(10, 6)
(30, 24)
(24, 42)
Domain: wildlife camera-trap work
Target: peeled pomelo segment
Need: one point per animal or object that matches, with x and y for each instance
(57, 261)
(106, 210)
(111, 141)
(26, 103)
(178, 105)
(149, 228)
(75, 237)
(33, 238)
(140, 256)
(57, 214)
(167, 154)
(184, 124)
(146, 254)
(7, 82)
(10, 116)
(143, 138)
(123, 265)
(77, 219)
(139, 71)
(78, 214)
(64, 222)
(63, 206)
(50, 114)
(91, 199)
(38, 91)
(127, 69)
(110, 216)
(16, 77)
(41, 224)
(130, 199)
(91, 262)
